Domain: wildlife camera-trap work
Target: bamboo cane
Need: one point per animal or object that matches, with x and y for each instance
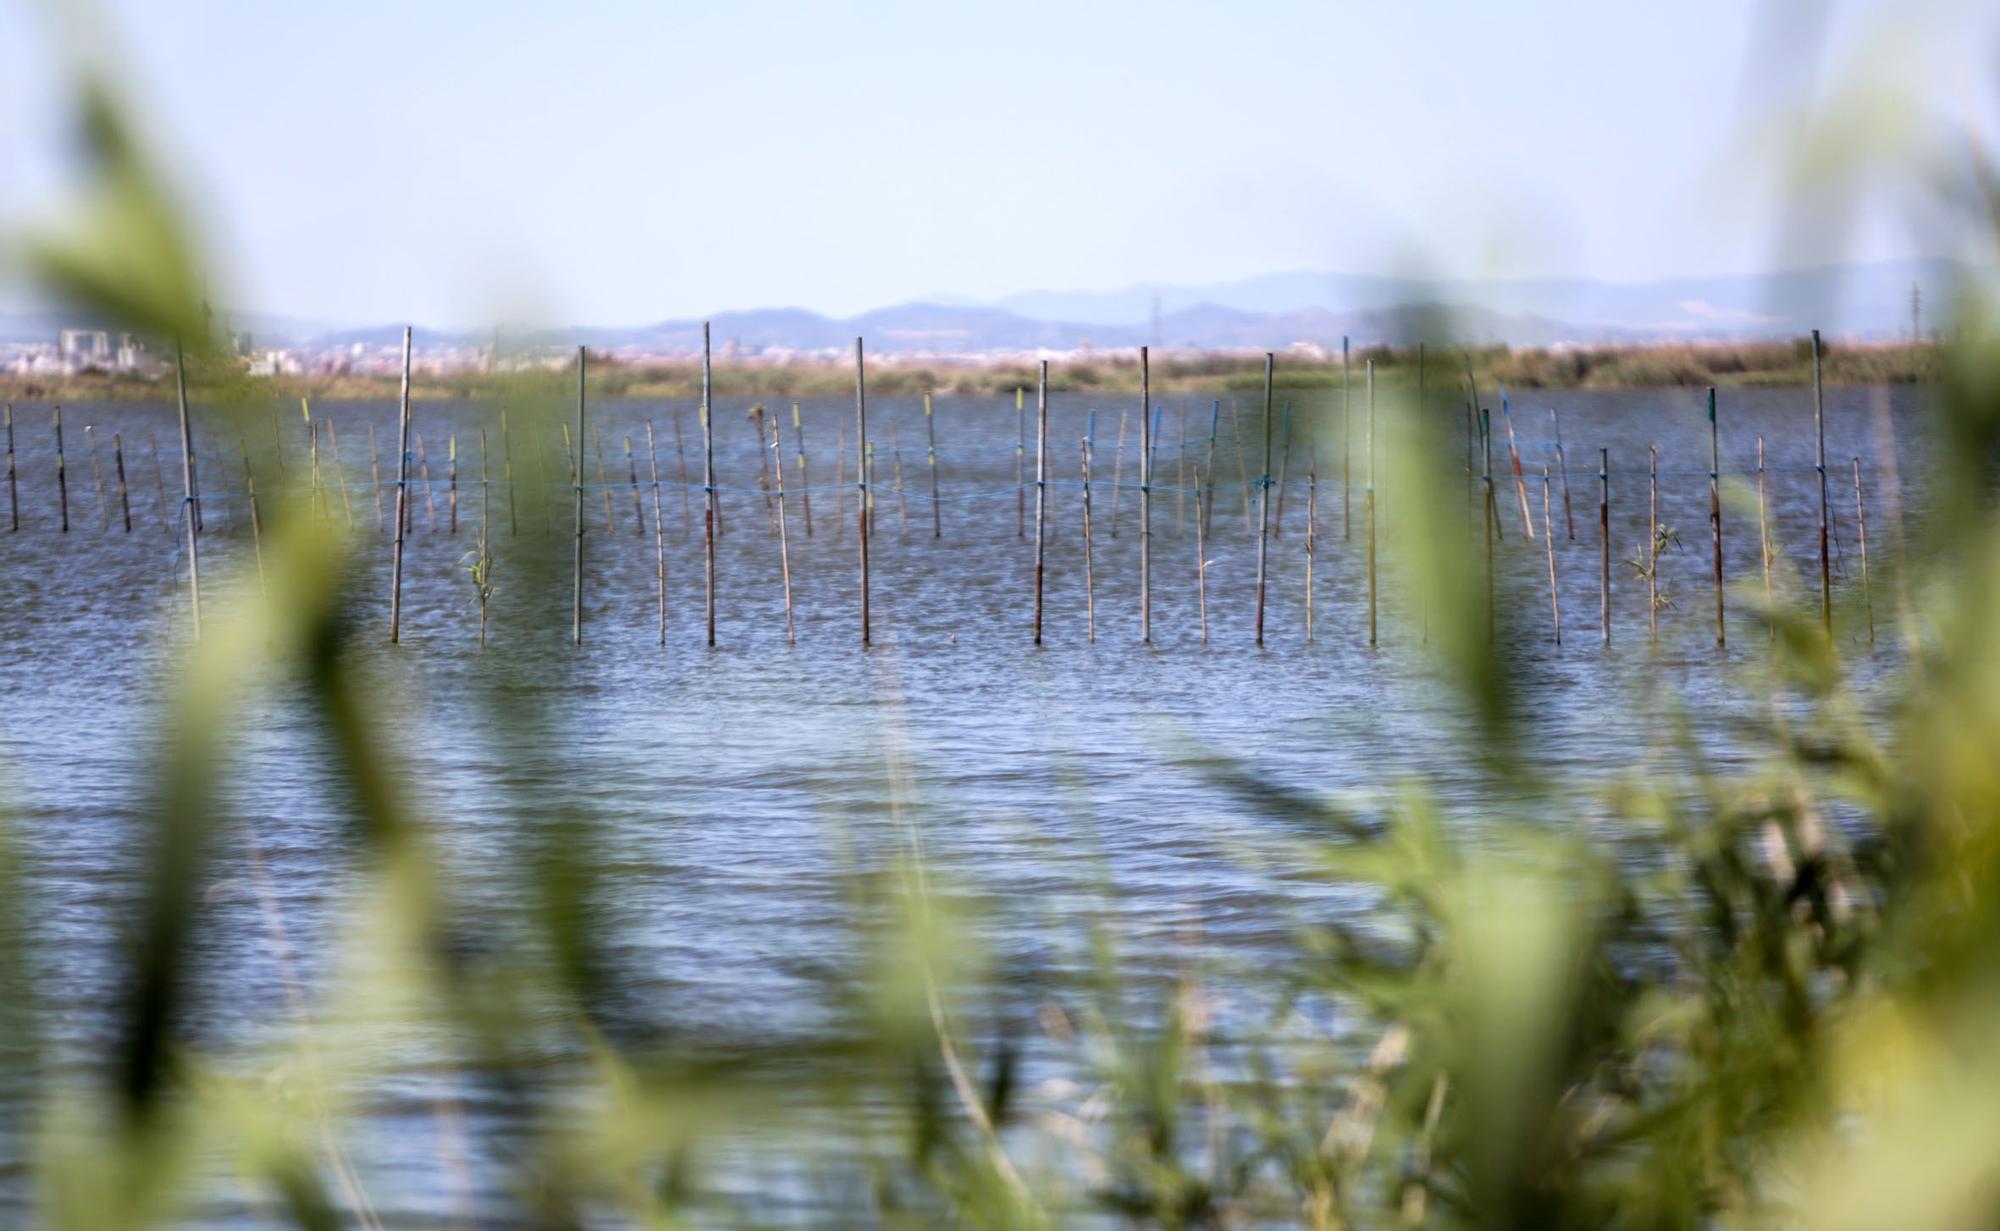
(660, 528)
(784, 535)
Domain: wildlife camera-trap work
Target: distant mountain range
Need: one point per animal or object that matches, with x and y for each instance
(1272, 311)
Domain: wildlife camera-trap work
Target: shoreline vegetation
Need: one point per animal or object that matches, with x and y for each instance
(1723, 365)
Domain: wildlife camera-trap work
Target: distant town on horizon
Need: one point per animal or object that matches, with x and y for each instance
(1304, 314)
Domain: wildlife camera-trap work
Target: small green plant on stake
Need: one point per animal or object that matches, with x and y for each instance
(479, 564)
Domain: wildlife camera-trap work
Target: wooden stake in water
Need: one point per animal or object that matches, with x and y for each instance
(660, 527)
(340, 476)
(576, 490)
(603, 483)
(1118, 470)
(1312, 535)
(1653, 546)
(764, 466)
(1346, 444)
(118, 462)
(784, 536)
(97, 477)
(861, 473)
(1041, 487)
(187, 490)
(1145, 499)
(402, 497)
(1490, 512)
(1861, 522)
(1180, 478)
(160, 485)
(1208, 465)
(482, 579)
(805, 481)
(1369, 496)
(430, 493)
(375, 474)
(638, 507)
(680, 455)
(902, 512)
(1264, 497)
(1604, 542)
(1562, 465)
(1819, 464)
(868, 473)
(1715, 514)
(1200, 557)
(1514, 456)
(507, 475)
(839, 477)
(256, 519)
(1764, 535)
(1284, 472)
(1242, 468)
(1020, 463)
(1471, 430)
(314, 502)
(707, 486)
(62, 473)
(930, 464)
(1549, 541)
(451, 470)
(13, 484)
(1089, 571)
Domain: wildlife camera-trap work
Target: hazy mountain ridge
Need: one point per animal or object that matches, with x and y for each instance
(1271, 311)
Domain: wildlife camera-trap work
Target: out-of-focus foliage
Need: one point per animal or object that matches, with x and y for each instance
(1676, 1000)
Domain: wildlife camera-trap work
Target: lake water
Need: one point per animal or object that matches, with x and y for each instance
(740, 788)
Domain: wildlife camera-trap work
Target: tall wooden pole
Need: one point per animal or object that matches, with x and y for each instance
(403, 494)
(1715, 514)
(1819, 465)
(861, 474)
(1369, 498)
(805, 485)
(507, 473)
(1861, 523)
(1089, 564)
(784, 534)
(707, 485)
(1042, 488)
(1562, 465)
(1549, 542)
(1489, 510)
(1604, 543)
(118, 460)
(1764, 537)
(1514, 455)
(187, 490)
(62, 473)
(930, 430)
(1346, 445)
(1145, 498)
(1020, 463)
(1264, 497)
(13, 484)
(576, 485)
(1653, 545)
(660, 525)
(1208, 466)
(375, 474)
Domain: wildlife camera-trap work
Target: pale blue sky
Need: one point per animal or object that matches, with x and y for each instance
(617, 161)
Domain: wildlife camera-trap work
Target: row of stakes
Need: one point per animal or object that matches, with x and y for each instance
(1478, 426)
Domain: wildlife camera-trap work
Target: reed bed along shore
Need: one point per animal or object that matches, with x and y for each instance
(1684, 365)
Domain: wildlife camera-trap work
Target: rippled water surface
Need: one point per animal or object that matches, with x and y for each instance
(741, 786)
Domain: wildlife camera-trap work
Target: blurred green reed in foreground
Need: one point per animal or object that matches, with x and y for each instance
(1680, 999)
